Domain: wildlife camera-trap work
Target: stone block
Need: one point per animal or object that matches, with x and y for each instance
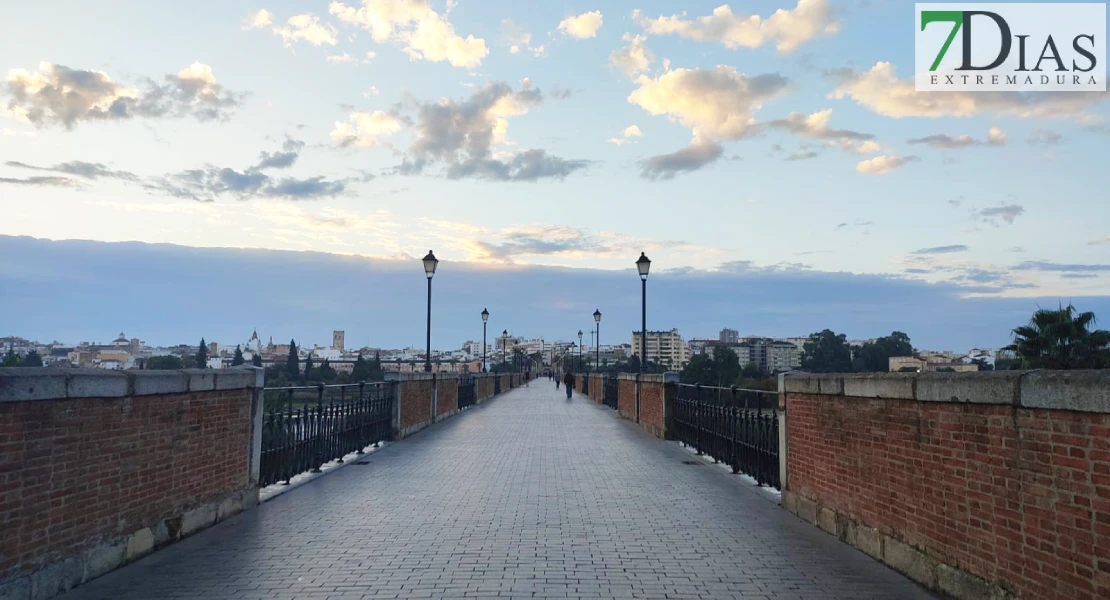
(230, 506)
(32, 383)
(808, 383)
(103, 559)
(164, 534)
(149, 383)
(891, 386)
(17, 589)
(790, 501)
(909, 561)
(53, 579)
(89, 383)
(201, 380)
(964, 586)
(995, 387)
(807, 509)
(234, 379)
(869, 541)
(1081, 391)
(139, 544)
(250, 498)
(846, 529)
(197, 519)
(826, 519)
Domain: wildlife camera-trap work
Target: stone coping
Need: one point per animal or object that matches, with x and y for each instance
(1081, 390)
(35, 383)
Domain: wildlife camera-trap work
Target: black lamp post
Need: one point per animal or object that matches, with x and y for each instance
(579, 348)
(504, 343)
(430, 263)
(643, 265)
(485, 317)
(597, 346)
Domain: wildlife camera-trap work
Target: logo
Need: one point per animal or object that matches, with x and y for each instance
(1010, 47)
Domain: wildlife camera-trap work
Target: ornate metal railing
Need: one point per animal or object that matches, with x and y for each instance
(610, 391)
(497, 384)
(305, 427)
(735, 426)
(585, 377)
(468, 392)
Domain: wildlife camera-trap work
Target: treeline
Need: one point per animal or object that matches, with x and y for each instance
(290, 373)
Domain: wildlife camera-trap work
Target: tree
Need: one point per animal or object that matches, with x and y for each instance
(31, 359)
(982, 364)
(1061, 339)
(875, 356)
(238, 359)
(293, 363)
(698, 370)
(326, 373)
(361, 369)
(827, 352)
(163, 363)
(202, 355)
(256, 360)
(309, 372)
(752, 371)
(11, 359)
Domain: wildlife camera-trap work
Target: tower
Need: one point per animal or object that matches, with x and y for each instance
(337, 340)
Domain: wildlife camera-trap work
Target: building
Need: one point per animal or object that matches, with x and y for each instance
(665, 348)
(337, 339)
(729, 336)
(768, 355)
(921, 364)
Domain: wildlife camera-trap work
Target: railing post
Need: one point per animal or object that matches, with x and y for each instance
(783, 446)
(697, 416)
(364, 410)
(318, 430)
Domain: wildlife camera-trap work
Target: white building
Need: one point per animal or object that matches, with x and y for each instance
(663, 347)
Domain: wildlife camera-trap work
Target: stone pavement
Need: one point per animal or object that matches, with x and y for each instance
(527, 496)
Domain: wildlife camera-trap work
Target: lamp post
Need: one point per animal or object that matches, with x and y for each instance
(643, 265)
(504, 342)
(597, 344)
(430, 263)
(485, 317)
(579, 348)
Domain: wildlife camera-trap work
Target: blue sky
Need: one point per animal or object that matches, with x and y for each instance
(792, 147)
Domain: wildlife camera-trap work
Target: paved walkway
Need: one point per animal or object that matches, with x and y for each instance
(528, 496)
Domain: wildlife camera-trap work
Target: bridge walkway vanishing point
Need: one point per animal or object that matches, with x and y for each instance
(527, 496)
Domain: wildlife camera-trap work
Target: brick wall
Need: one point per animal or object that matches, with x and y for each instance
(626, 396)
(447, 396)
(651, 404)
(96, 469)
(485, 387)
(415, 396)
(969, 483)
(597, 388)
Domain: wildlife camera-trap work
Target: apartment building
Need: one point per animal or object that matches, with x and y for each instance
(663, 347)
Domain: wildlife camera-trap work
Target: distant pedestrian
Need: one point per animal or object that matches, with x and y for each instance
(568, 382)
(556, 382)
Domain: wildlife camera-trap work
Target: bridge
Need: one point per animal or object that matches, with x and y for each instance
(147, 485)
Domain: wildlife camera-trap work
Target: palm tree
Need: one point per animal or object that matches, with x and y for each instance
(1061, 339)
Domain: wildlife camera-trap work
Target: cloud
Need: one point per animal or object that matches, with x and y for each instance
(1007, 213)
(883, 164)
(304, 27)
(816, 126)
(365, 129)
(690, 158)
(1105, 240)
(857, 224)
(1036, 265)
(341, 58)
(995, 137)
(461, 135)
(44, 181)
(423, 33)
(59, 95)
(582, 26)
(79, 168)
(880, 90)
(211, 183)
(552, 240)
(802, 155)
(626, 136)
(1015, 249)
(714, 103)
(519, 39)
(943, 249)
(259, 20)
(290, 150)
(787, 29)
(634, 58)
(1043, 137)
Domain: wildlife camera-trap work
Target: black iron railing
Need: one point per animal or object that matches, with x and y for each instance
(468, 392)
(496, 385)
(735, 426)
(305, 427)
(585, 383)
(610, 391)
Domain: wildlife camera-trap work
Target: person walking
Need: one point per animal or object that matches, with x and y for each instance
(556, 378)
(568, 382)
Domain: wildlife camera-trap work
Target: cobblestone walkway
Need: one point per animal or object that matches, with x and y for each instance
(528, 496)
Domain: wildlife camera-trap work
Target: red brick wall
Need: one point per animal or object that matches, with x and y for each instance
(626, 398)
(75, 473)
(1017, 496)
(504, 383)
(416, 402)
(485, 387)
(447, 396)
(651, 407)
(597, 388)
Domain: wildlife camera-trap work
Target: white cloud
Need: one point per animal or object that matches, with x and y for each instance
(259, 20)
(634, 58)
(996, 137)
(882, 164)
(880, 90)
(307, 28)
(341, 58)
(519, 39)
(629, 132)
(582, 26)
(787, 29)
(424, 33)
(1105, 240)
(714, 103)
(370, 91)
(365, 128)
(539, 51)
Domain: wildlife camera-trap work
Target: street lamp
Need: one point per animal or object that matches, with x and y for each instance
(504, 342)
(643, 265)
(430, 263)
(580, 349)
(485, 317)
(597, 346)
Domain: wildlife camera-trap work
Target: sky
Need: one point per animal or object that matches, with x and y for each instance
(779, 142)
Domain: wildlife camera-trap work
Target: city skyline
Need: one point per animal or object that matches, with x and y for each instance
(777, 136)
